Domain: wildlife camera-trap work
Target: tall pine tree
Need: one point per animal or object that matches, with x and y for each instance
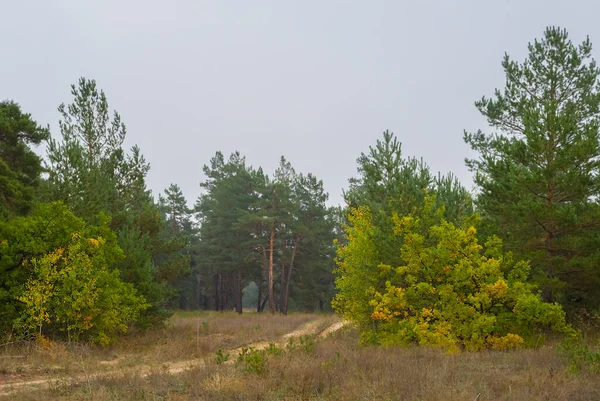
(538, 174)
(91, 172)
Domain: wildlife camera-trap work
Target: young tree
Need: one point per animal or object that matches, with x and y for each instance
(91, 173)
(390, 184)
(539, 175)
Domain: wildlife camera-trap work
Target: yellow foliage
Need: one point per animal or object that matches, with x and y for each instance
(509, 341)
(498, 290)
(45, 342)
(447, 290)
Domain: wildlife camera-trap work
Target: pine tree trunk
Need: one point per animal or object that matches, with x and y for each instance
(217, 291)
(238, 291)
(221, 293)
(259, 285)
(547, 294)
(284, 309)
(198, 293)
(263, 277)
(282, 287)
(270, 281)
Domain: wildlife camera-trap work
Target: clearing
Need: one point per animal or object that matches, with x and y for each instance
(323, 362)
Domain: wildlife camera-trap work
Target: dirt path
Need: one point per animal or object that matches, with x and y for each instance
(310, 328)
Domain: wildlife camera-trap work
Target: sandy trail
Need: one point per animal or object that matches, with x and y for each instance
(310, 328)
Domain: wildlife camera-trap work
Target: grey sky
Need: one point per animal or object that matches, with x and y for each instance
(316, 81)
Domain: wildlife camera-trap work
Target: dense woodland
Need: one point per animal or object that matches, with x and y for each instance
(87, 251)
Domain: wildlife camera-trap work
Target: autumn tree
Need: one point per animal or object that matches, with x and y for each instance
(538, 174)
(447, 290)
(59, 277)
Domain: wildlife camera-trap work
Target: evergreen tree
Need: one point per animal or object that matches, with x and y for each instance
(179, 237)
(91, 173)
(20, 167)
(225, 245)
(390, 184)
(389, 187)
(539, 175)
(310, 247)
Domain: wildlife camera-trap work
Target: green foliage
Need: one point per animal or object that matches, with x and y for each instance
(225, 253)
(59, 276)
(91, 172)
(260, 229)
(253, 360)
(390, 184)
(272, 349)
(74, 290)
(538, 174)
(582, 357)
(306, 344)
(20, 167)
(222, 357)
(47, 228)
(447, 290)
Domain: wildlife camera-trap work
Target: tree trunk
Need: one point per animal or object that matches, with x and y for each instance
(259, 285)
(286, 298)
(270, 281)
(264, 303)
(263, 276)
(238, 291)
(547, 294)
(222, 288)
(217, 291)
(282, 288)
(198, 293)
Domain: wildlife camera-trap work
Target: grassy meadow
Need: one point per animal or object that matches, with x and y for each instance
(196, 358)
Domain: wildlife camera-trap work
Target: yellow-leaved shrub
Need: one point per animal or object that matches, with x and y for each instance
(450, 290)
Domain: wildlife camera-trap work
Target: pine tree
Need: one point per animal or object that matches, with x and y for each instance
(389, 187)
(20, 167)
(309, 246)
(225, 244)
(390, 184)
(91, 172)
(539, 174)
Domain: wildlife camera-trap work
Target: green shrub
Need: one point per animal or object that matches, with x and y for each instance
(449, 291)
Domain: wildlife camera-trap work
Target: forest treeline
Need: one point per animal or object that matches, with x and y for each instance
(87, 251)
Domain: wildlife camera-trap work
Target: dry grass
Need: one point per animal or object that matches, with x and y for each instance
(187, 336)
(338, 369)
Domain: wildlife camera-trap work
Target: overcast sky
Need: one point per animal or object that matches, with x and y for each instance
(316, 81)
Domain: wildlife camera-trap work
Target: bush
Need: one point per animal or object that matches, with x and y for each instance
(57, 277)
(73, 290)
(450, 291)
